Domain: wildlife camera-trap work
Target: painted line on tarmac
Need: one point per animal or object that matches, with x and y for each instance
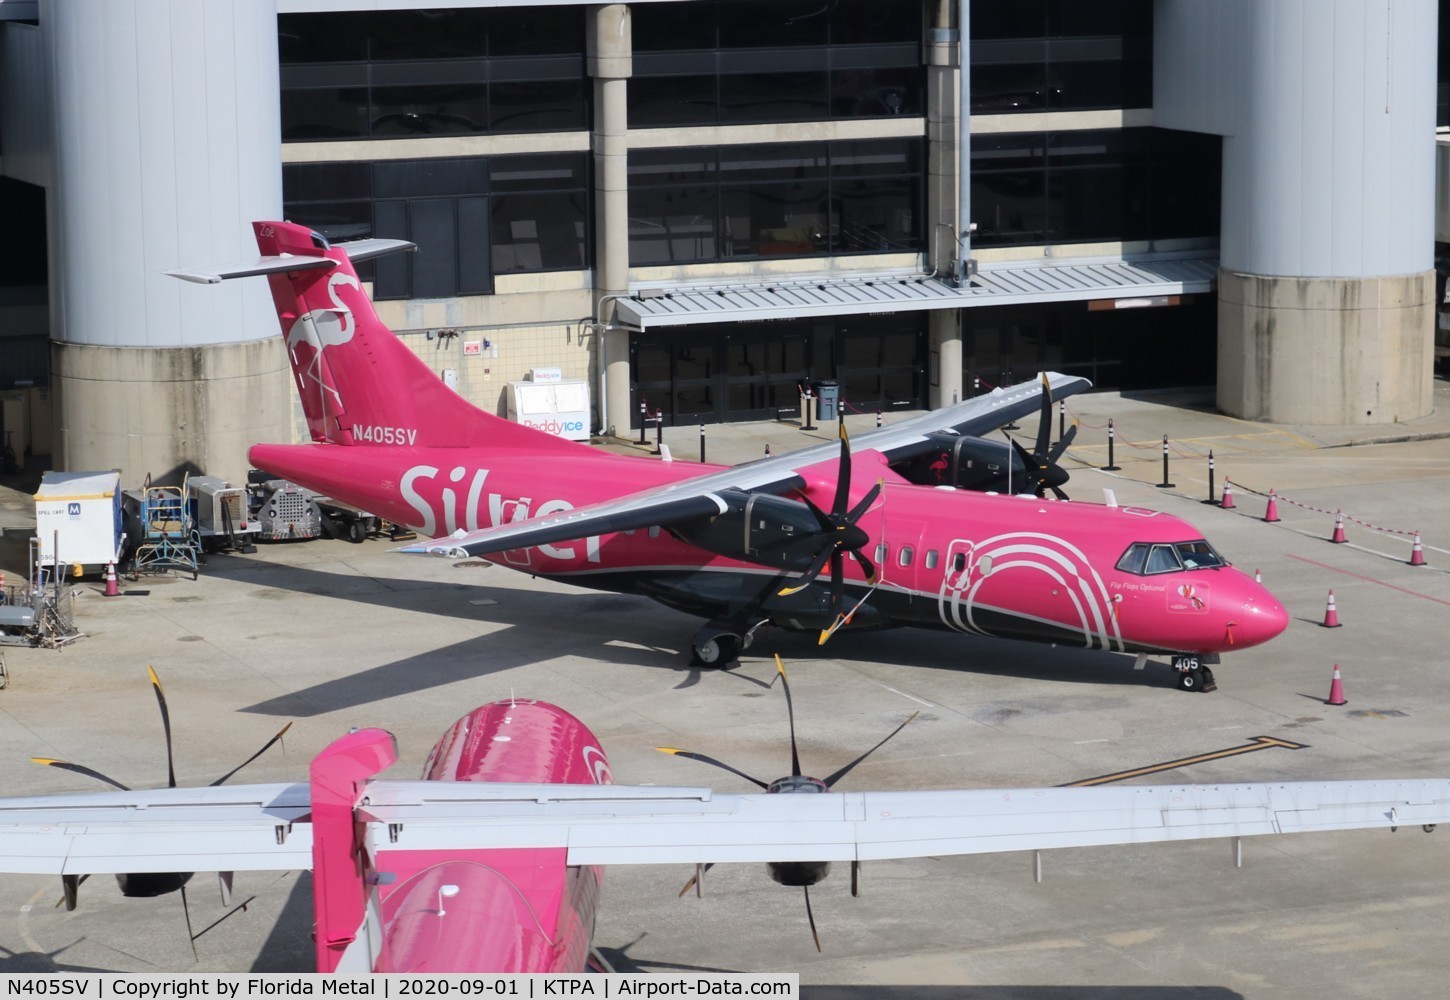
(910, 697)
(1370, 579)
(1255, 744)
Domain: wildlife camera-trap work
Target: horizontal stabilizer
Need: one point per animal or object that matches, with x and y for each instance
(359, 250)
(217, 273)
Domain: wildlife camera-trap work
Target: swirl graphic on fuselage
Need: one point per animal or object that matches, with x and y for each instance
(598, 766)
(1063, 563)
(321, 329)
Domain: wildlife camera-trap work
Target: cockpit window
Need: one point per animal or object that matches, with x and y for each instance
(1199, 555)
(1132, 561)
(1163, 559)
(1146, 558)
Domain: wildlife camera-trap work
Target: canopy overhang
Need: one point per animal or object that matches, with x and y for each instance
(1120, 282)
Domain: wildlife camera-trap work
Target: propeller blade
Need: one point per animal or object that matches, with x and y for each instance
(66, 765)
(838, 582)
(843, 476)
(795, 757)
(1061, 446)
(811, 917)
(1044, 420)
(837, 776)
(865, 564)
(809, 576)
(165, 726)
(822, 518)
(711, 760)
(697, 880)
(864, 503)
(1057, 492)
(190, 934)
(265, 747)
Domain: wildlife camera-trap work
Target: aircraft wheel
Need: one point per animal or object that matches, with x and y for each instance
(1190, 680)
(718, 651)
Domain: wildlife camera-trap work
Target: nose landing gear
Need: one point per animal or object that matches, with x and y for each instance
(1194, 673)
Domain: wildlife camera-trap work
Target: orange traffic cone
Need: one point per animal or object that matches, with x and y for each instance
(113, 589)
(1336, 690)
(1227, 503)
(1271, 512)
(1331, 615)
(1338, 537)
(1417, 554)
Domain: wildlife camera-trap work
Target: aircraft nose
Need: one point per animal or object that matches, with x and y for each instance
(1260, 616)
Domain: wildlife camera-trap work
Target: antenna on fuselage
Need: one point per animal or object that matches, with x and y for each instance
(1109, 497)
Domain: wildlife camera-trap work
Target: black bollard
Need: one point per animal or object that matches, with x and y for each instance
(1111, 467)
(1165, 484)
(702, 444)
(643, 419)
(1061, 418)
(806, 406)
(976, 386)
(878, 420)
(1210, 478)
(659, 432)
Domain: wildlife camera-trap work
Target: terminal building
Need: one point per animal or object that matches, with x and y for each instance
(700, 207)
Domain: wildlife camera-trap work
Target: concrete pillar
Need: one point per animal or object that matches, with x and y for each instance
(1326, 288)
(943, 56)
(167, 146)
(611, 54)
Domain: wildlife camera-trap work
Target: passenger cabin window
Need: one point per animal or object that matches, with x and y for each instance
(959, 561)
(904, 556)
(1146, 558)
(931, 558)
(881, 553)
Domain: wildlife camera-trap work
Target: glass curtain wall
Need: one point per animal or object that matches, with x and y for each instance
(401, 73)
(1061, 55)
(803, 199)
(754, 61)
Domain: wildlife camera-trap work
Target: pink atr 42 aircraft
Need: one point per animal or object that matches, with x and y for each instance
(747, 545)
(492, 863)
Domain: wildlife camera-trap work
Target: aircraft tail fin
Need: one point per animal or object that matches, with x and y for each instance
(359, 384)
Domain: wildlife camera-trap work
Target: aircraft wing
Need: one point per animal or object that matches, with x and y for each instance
(621, 825)
(699, 496)
(265, 827)
(222, 828)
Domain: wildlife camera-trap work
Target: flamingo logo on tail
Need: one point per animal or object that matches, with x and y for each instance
(321, 329)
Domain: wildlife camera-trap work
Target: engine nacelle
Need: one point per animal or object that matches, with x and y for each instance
(969, 463)
(760, 528)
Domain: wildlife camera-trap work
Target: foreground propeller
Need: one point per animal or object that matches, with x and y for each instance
(802, 873)
(840, 535)
(1041, 463)
(150, 883)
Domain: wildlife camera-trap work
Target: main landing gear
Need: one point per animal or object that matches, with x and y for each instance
(1194, 673)
(719, 644)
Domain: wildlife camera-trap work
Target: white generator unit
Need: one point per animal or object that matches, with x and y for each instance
(81, 513)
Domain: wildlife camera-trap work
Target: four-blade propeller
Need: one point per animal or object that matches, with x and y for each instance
(801, 873)
(151, 883)
(1041, 463)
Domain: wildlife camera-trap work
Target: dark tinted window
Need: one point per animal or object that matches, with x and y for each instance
(1094, 186)
(778, 199)
(399, 73)
(775, 60)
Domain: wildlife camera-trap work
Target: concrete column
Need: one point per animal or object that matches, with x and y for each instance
(1326, 311)
(167, 146)
(942, 53)
(610, 64)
